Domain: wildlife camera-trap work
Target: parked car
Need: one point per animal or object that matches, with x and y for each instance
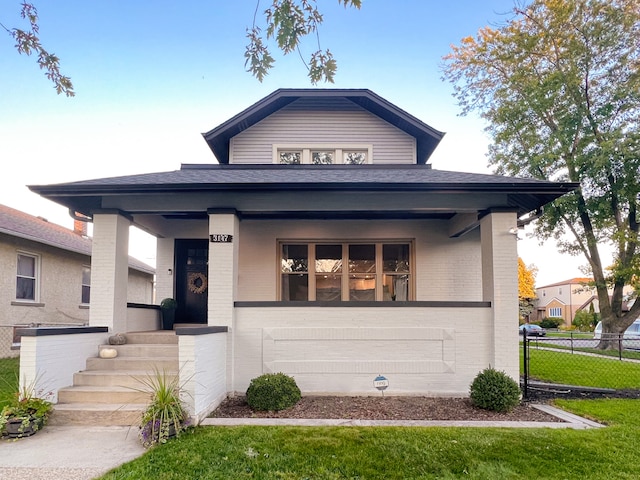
(631, 337)
(532, 330)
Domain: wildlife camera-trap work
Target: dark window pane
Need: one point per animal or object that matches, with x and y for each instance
(328, 288)
(295, 287)
(362, 288)
(25, 289)
(395, 258)
(86, 292)
(362, 258)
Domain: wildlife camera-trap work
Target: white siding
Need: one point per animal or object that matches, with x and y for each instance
(326, 123)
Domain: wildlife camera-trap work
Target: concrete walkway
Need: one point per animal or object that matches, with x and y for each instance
(83, 453)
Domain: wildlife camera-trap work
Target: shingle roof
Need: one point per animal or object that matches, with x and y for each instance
(22, 225)
(571, 281)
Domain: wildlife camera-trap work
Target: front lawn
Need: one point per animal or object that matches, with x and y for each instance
(402, 453)
(9, 371)
(588, 371)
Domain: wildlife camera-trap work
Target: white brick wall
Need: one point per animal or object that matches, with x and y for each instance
(109, 268)
(203, 372)
(53, 359)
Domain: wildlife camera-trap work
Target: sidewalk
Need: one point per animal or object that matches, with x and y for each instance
(83, 453)
(68, 453)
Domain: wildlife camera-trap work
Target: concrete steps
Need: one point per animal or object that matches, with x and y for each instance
(108, 391)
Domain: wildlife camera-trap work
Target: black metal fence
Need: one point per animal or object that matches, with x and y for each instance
(574, 365)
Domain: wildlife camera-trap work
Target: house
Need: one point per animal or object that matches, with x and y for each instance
(46, 275)
(322, 245)
(566, 298)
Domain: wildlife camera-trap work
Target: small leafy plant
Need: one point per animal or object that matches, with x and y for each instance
(494, 390)
(165, 416)
(273, 392)
(28, 408)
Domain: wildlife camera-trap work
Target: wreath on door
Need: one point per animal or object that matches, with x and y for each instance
(197, 282)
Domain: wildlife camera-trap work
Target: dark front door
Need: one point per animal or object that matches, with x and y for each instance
(192, 259)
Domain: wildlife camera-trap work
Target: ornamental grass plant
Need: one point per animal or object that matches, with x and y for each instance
(165, 416)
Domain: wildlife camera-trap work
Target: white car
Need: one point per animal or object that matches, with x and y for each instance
(631, 335)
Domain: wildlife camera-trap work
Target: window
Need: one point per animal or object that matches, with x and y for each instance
(555, 312)
(86, 284)
(336, 271)
(27, 277)
(322, 154)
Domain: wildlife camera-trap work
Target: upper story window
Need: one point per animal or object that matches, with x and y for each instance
(27, 277)
(336, 271)
(86, 284)
(322, 154)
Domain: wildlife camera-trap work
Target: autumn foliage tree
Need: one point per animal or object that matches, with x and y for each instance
(559, 87)
(526, 288)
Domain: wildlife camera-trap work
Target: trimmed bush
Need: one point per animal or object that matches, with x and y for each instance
(551, 322)
(494, 390)
(273, 392)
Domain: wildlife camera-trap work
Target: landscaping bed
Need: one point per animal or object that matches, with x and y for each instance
(383, 408)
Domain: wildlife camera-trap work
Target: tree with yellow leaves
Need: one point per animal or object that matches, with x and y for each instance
(526, 288)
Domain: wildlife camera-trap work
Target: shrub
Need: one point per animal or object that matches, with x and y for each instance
(551, 322)
(273, 391)
(585, 321)
(494, 390)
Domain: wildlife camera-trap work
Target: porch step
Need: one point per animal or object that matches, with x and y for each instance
(155, 337)
(130, 364)
(107, 392)
(101, 394)
(133, 379)
(96, 414)
(144, 350)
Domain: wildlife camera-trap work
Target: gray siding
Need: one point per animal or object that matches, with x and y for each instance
(336, 122)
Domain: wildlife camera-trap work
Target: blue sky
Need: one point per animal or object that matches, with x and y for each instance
(150, 79)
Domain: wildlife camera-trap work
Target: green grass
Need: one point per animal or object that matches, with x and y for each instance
(402, 453)
(574, 369)
(9, 368)
(630, 354)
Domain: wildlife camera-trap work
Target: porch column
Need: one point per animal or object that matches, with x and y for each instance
(500, 287)
(224, 240)
(109, 271)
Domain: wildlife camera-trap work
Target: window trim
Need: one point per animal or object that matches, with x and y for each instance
(558, 309)
(82, 285)
(345, 274)
(36, 278)
(306, 149)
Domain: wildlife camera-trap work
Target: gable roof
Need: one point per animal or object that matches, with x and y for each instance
(571, 281)
(37, 229)
(427, 138)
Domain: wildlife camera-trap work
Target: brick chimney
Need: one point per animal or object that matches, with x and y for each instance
(80, 228)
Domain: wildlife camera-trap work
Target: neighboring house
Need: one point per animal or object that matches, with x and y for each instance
(326, 246)
(45, 275)
(565, 299)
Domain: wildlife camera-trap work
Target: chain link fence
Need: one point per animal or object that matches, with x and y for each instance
(575, 365)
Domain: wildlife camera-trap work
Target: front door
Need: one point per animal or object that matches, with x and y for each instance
(192, 259)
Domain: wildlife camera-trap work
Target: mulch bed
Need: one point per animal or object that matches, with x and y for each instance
(383, 408)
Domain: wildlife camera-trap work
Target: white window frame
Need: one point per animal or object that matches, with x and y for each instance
(557, 310)
(379, 272)
(306, 150)
(36, 278)
(82, 284)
